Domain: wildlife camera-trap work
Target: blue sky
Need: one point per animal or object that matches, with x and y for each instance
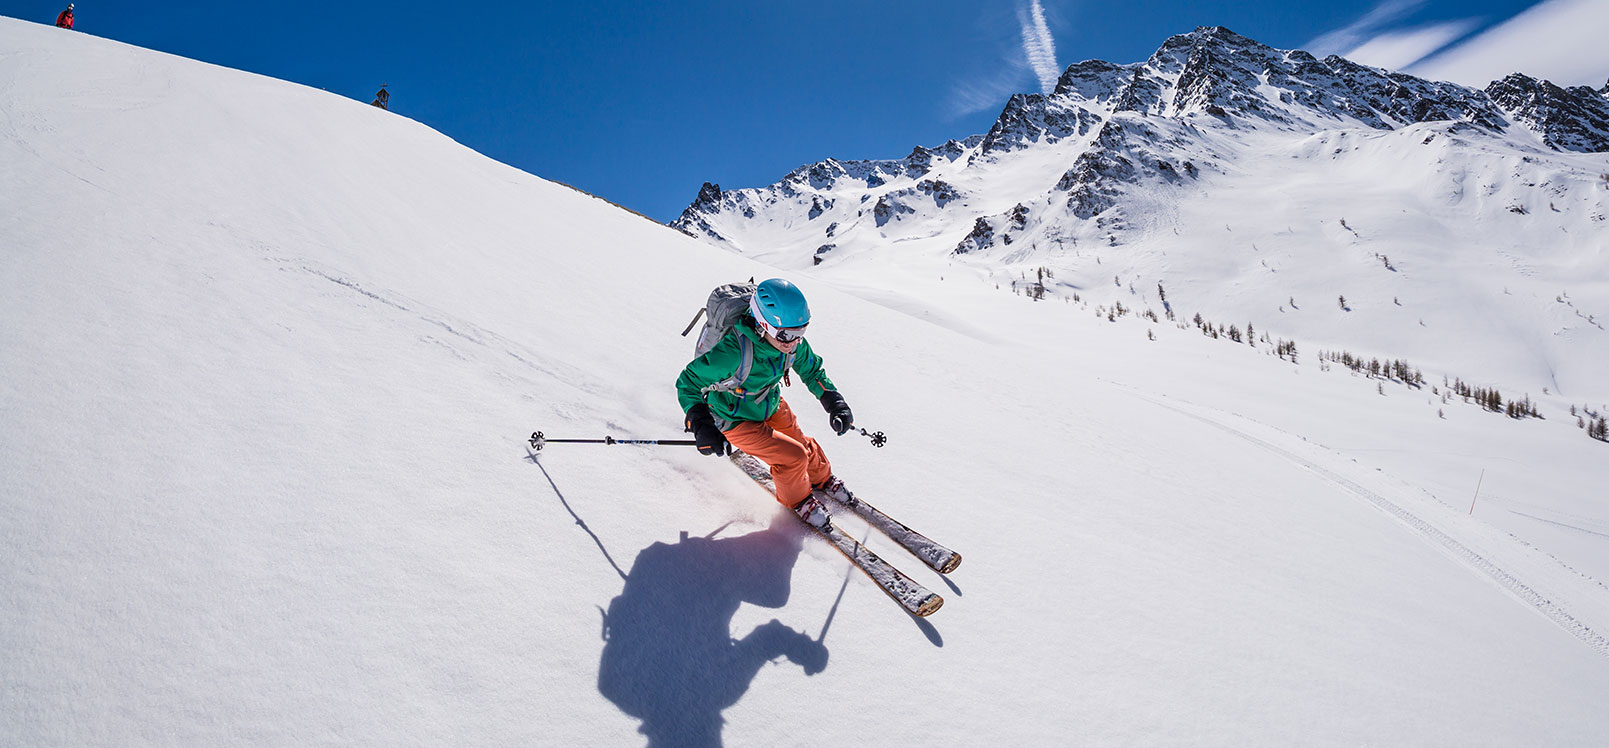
(642, 102)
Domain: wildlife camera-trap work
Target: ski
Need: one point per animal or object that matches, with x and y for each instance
(912, 596)
(939, 558)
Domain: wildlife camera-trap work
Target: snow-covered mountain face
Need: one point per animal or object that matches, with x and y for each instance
(1253, 184)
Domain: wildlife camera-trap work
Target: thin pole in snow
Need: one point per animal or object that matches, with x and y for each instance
(1477, 492)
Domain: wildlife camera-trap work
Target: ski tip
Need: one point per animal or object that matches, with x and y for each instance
(952, 564)
(929, 606)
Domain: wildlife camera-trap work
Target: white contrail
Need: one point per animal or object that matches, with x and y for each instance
(1039, 47)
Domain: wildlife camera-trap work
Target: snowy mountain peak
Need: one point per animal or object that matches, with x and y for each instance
(1195, 91)
(1218, 72)
(1093, 82)
(1209, 67)
(1150, 156)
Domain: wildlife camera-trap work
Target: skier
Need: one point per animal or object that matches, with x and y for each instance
(65, 18)
(750, 414)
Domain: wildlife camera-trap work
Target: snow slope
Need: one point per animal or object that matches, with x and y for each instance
(268, 358)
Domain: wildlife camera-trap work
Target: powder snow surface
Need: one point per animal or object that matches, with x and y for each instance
(269, 358)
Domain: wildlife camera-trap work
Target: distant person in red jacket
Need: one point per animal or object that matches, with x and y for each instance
(65, 18)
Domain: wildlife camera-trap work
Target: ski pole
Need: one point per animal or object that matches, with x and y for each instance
(877, 437)
(538, 440)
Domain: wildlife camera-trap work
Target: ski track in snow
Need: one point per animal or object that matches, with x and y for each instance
(1526, 593)
(896, 302)
(466, 331)
(1560, 524)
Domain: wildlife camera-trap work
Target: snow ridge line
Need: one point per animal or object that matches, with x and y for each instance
(1520, 589)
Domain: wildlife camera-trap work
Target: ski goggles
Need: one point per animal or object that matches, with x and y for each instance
(785, 334)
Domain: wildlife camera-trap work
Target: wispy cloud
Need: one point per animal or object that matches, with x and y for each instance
(1355, 34)
(1382, 39)
(1557, 40)
(1038, 46)
(977, 94)
(1396, 50)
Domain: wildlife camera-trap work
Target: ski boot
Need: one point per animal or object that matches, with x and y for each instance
(811, 510)
(834, 489)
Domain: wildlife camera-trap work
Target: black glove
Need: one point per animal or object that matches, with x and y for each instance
(837, 412)
(702, 425)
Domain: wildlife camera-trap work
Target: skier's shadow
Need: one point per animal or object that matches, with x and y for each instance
(669, 658)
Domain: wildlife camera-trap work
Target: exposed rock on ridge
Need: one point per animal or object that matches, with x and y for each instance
(1568, 119)
(1121, 132)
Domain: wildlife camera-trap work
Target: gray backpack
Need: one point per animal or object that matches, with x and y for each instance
(725, 306)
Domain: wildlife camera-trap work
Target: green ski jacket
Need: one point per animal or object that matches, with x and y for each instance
(714, 377)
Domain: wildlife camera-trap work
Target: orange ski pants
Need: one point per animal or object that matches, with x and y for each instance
(796, 460)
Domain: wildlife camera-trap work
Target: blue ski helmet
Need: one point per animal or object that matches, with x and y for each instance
(778, 304)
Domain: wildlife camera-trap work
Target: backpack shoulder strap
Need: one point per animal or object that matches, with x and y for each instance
(745, 365)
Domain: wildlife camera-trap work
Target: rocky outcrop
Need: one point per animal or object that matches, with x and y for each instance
(1032, 118)
(982, 237)
(1568, 119)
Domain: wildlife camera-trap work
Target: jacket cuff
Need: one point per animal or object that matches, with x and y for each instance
(831, 401)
